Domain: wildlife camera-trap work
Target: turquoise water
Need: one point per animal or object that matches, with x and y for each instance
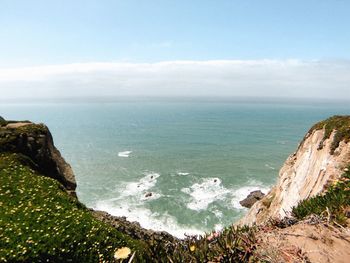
(195, 158)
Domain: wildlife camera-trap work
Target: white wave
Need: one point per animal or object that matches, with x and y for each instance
(281, 142)
(205, 193)
(124, 154)
(218, 227)
(269, 166)
(147, 219)
(183, 173)
(140, 186)
(243, 192)
(217, 213)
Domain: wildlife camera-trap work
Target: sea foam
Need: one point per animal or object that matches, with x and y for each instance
(147, 218)
(141, 186)
(124, 154)
(183, 173)
(205, 193)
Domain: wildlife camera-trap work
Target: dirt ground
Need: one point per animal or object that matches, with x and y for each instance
(305, 242)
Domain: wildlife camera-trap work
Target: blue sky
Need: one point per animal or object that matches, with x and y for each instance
(53, 32)
(258, 48)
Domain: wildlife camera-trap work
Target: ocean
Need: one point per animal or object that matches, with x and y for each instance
(178, 165)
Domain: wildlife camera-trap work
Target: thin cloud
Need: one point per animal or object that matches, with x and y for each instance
(258, 78)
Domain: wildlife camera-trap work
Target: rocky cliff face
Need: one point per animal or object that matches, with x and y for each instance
(319, 160)
(35, 141)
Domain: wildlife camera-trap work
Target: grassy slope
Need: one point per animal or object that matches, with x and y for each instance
(40, 221)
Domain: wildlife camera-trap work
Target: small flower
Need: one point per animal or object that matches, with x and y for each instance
(192, 248)
(122, 253)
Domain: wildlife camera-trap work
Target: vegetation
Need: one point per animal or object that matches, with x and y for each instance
(233, 244)
(334, 204)
(340, 124)
(2, 121)
(40, 221)
(8, 137)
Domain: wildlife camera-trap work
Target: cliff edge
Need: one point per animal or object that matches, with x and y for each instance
(320, 160)
(35, 142)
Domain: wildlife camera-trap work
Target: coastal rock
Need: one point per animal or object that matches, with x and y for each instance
(252, 198)
(133, 229)
(149, 194)
(2, 121)
(35, 142)
(307, 172)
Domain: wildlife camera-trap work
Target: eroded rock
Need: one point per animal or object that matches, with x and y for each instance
(35, 142)
(252, 198)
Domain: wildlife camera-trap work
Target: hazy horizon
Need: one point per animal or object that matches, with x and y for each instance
(216, 78)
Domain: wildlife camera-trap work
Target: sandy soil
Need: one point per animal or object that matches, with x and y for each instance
(305, 242)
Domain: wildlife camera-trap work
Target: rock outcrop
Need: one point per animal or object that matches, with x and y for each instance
(319, 161)
(35, 142)
(252, 198)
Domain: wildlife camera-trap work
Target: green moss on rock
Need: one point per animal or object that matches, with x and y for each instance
(2, 121)
(339, 124)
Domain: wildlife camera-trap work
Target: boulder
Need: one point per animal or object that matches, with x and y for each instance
(149, 194)
(252, 198)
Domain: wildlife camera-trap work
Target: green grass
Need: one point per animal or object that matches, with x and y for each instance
(39, 221)
(333, 203)
(341, 124)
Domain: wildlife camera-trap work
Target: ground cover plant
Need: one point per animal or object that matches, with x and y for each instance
(334, 204)
(39, 221)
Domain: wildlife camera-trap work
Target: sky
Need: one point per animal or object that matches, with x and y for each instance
(176, 48)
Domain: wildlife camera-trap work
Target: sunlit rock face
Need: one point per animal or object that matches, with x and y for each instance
(317, 163)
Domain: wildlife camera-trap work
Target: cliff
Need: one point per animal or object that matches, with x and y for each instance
(35, 142)
(320, 160)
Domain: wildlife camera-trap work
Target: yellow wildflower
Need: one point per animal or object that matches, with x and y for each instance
(122, 253)
(192, 248)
